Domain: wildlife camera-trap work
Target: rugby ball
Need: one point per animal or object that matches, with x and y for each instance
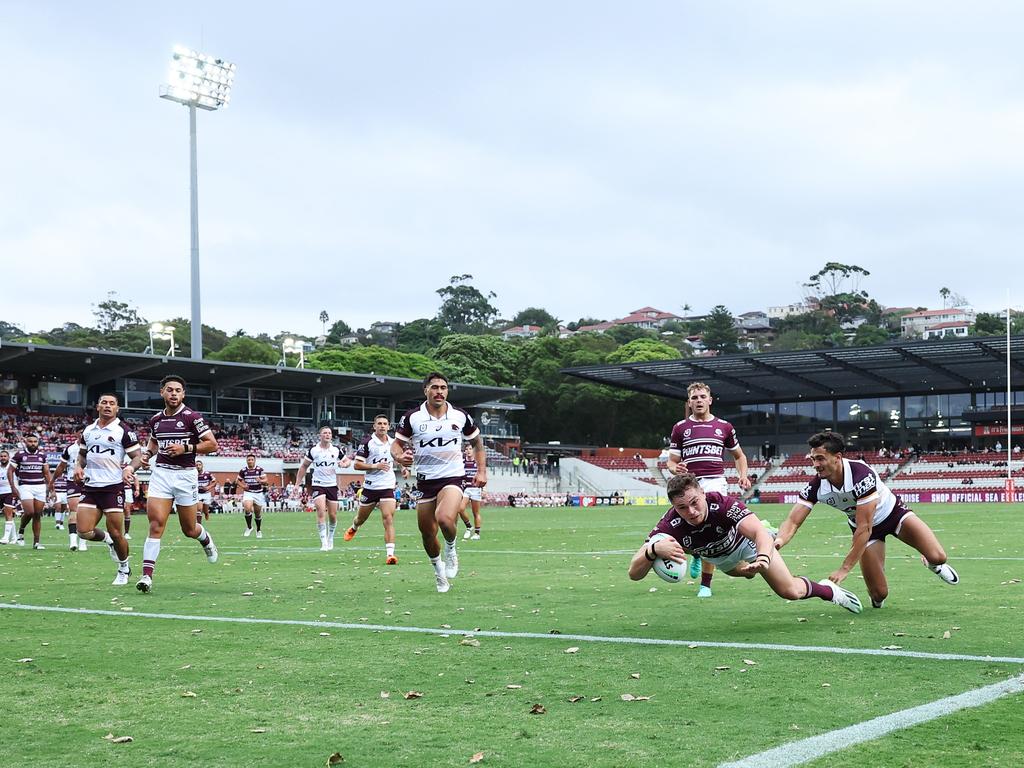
(668, 570)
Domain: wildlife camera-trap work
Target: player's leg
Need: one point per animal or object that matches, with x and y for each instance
(257, 511)
(73, 540)
(790, 587)
(387, 517)
(332, 521)
(477, 520)
(119, 548)
(247, 511)
(32, 512)
(158, 509)
(449, 502)
(87, 517)
(364, 506)
(872, 568)
(465, 517)
(707, 573)
(190, 526)
(915, 532)
(127, 519)
(58, 515)
(427, 523)
(320, 509)
(10, 534)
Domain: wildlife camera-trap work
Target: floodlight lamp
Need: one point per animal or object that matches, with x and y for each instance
(197, 79)
(156, 327)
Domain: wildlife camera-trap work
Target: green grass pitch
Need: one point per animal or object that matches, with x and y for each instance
(216, 693)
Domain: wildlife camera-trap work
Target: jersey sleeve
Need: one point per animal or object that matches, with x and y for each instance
(241, 475)
(736, 511)
(129, 440)
(809, 495)
(309, 454)
(469, 429)
(865, 483)
(403, 431)
(675, 440)
(199, 425)
(730, 440)
(65, 456)
(664, 526)
(363, 451)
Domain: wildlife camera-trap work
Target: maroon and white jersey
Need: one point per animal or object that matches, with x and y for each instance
(324, 462)
(470, 468)
(253, 479)
(701, 445)
(28, 467)
(70, 458)
(183, 427)
(205, 481)
(60, 484)
(437, 442)
(105, 451)
(5, 485)
(374, 451)
(717, 536)
(861, 485)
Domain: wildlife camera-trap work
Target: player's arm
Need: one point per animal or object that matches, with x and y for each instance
(861, 537)
(242, 483)
(480, 453)
(398, 451)
(12, 480)
(135, 454)
(643, 560)
(207, 443)
(742, 467)
(151, 449)
(79, 474)
(675, 464)
(752, 528)
(792, 523)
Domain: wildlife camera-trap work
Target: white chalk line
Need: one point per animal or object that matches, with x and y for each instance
(815, 747)
(522, 635)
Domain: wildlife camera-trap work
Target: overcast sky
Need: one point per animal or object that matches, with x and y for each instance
(587, 157)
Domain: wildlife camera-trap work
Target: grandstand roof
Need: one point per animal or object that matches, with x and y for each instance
(90, 366)
(902, 368)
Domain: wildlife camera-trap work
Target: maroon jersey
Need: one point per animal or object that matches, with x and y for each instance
(701, 445)
(251, 478)
(28, 467)
(184, 427)
(60, 483)
(205, 480)
(717, 536)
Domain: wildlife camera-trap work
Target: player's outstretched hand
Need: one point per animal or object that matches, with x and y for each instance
(670, 549)
(837, 576)
(481, 478)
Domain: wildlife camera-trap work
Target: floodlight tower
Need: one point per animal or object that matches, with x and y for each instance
(197, 80)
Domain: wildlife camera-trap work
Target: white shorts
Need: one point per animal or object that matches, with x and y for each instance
(746, 551)
(714, 485)
(62, 497)
(129, 496)
(181, 485)
(205, 498)
(255, 498)
(37, 492)
(473, 492)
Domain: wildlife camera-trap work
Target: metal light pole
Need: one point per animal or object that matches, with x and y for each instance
(197, 80)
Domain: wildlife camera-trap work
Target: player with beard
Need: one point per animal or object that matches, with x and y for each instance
(29, 477)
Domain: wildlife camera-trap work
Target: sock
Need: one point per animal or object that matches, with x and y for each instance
(438, 565)
(58, 517)
(9, 529)
(123, 567)
(814, 589)
(331, 527)
(248, 520)
(877, 603)
(321, 528)
(150, 552)
(476, 531)
(259, 523)
(203, 538)
(127, 524)
(106, 539)
(705, 579)
(24, 524)
(72, 528)
(389, 548)
(468, 525)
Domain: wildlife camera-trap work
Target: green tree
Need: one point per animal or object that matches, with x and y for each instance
(583, 321)
(868, 335)
(464, 309)
(535, 316)
(338, 329)
(9, 330)
(642, 351)
(324, 319)
(987, 324)
(214, 339)
(795, 338)
(376, 360)
(720, 332)
(488, 360)
(112, 314)
(623, 334)
(835, 278)
(420, 336)
(244, 349)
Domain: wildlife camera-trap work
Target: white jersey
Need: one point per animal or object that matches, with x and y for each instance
(105, 450)
(5, 485)
(70, 458)
(325, 464)
(437, 443)
(861, 485)
(374, 451)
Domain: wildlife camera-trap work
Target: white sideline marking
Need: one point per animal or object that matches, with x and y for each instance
(815, 747)
(523, 635)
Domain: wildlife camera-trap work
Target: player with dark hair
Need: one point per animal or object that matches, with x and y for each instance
(7, 500)
(66, 466)
(432, 436)
(253, 481)
(28, 475)
(177, 434)
(473, 494)
(205, 483)
(872, 511)
(373, 456)
(324, 457)
(721, 530)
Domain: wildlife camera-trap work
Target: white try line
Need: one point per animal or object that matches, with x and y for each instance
(816, 747)
(522, 635)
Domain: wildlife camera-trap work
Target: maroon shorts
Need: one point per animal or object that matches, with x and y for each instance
(368, 497)
(430, 488)
(74, 489)
(104, 497)
(891, 525)
(6, 499)
(330, 491)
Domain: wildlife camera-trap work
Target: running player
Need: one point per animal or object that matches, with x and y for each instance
(131, 492)
(205, 483)
(177, 434)
(721, 530)
(696, 446)
(324, 457)
(29, 477)
(7, 500)
(254, 494)
(100, 467)
(473, 494)
(432, 435)
(66, 466)
(872, 511)
(373, 456)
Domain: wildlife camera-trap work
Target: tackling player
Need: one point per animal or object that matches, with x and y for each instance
(472, 495)
(432, 436)
(722, 531)
(872, 511)
(28, 474)
(374, 458)
(324, 457)
(696, 446)
(177, 434)
(254, 486)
